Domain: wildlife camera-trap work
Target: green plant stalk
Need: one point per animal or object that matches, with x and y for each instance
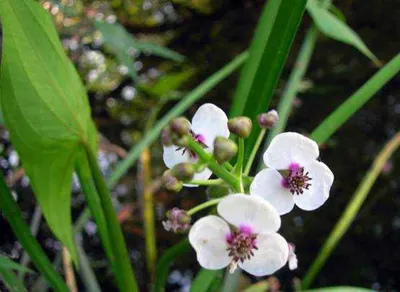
(165, 261)
(93, 200)
(351, 210)
(14, 217)
(239, 164)
(210, 182)
(217, 169)
(253, 153)
(148, 214)
(203, 206)
(336, 119)
(177, 110)
(231, 281)
(124, 273)
(87, 274)
(34, 227)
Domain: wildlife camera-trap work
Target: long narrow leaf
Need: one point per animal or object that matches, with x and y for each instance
(332, 123)
(6, 263)
(204, 280)
(13, 215)
(11, 280)
(351, 211)
(270, 46)
(333, 27)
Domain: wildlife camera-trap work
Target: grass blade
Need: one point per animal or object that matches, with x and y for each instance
(6, 263)
(165, 261)
(351, 210)
(14, 217)
(270, 46)
(11, 280)
(333, 122)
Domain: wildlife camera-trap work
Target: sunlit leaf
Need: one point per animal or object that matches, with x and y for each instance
(45, 109)
(333, 27)
(339, 289)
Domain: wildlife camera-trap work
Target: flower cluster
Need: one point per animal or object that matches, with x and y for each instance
(244, 234)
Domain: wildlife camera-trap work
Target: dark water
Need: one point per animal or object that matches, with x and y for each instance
(368, 255)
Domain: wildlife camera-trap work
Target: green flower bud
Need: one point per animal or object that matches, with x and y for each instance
(224, 149)
(166, 136)
(240, 126)
(180, 141)
(184, 171)
(170, 182)
(180, 126)
(268, 120)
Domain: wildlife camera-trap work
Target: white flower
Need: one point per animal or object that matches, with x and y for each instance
(292, 259)
(208, 122)
(246, 238)
(294, 176)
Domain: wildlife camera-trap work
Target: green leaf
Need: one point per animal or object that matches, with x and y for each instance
(169, 82)
(11, 280)
(330, 25)
(121, 43)
(165, 261)
(45, 109)
(204, 280)
(6, 263)
(270, 46)
(340, 289)
(261, 286)
(347, 109)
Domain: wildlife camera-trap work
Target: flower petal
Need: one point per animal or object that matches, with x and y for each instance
(207, 236)
(288, 148)
(252, 211)
(210, 121)
(172, 156)
(318, 192)
(267, 184)
(204, 175)
(272, 254)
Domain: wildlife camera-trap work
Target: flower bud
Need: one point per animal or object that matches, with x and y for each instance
(292, 258)
(178, 220)
(180, 141)
(268, 120)
(184, 171)
(166, 136)
(224, 149)
(240, 126)
(170, 182)
(180, 126)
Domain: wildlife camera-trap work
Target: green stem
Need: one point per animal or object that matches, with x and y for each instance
(125, 277)
(210, 182)
(13, 215)
(92, 198)
(351, 210)
(253, 153)
(239, 164)
(213, 165)
(203, 206)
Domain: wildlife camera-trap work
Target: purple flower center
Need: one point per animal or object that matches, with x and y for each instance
(241, 243)
(295, 179)
(199, 138)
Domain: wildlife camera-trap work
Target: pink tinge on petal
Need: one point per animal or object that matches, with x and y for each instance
(294, 167)
(246, 229)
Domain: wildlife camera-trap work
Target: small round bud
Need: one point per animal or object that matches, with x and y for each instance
(180, 126)
(170, 182)
(178, 220)
(166, 136)
(268, 120)
(180, 141)
(240, 126)
(184, 171)
(224, 149)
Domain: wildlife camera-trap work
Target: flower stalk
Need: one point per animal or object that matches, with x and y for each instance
(203, 206)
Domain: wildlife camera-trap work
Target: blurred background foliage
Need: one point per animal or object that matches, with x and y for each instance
(132, 78)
